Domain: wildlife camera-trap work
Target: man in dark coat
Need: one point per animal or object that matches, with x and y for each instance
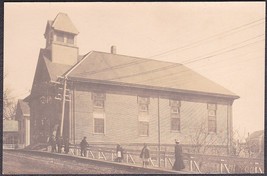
(59, 144)
(66, 145)
(145, 155)
(179, 163)
(52, 141)
(83, 146)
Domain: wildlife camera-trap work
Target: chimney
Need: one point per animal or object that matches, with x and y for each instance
(113, 50)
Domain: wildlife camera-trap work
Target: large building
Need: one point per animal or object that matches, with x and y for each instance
(110, 97)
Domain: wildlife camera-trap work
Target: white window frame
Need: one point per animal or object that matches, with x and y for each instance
(139, 127)
(212, 117)
(99, 117)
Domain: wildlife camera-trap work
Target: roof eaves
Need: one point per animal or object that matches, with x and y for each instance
(153, 88)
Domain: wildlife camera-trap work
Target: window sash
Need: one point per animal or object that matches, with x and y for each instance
(60, 37)
(70, 39)
(143, 108)
(212, 126)
(212, 112)
(175, 110)
(175, 124)
(99, 104)
(99, 125)
(143, 128)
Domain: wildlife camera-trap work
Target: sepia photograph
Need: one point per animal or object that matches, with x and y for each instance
(133, 88)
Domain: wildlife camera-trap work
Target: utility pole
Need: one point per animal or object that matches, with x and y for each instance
(63, 106)
(158, 133)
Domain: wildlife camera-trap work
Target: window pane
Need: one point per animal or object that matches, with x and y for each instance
(143, 107)
(99, 125)
(60, 37)
(70, 39)
(99, 103)
(212, 113)
(175, 124)
(143, 128)
(212, 126)
(174, 110)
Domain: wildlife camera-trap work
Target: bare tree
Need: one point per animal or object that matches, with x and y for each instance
(9, 105)
(203, 140)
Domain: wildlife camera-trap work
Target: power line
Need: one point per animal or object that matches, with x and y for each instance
(209, 38)
(159, 80)
(176, 73)
(188, 61)
(137, 61)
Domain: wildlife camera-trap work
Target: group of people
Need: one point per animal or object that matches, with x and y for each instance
(144, 155)
(57, 143)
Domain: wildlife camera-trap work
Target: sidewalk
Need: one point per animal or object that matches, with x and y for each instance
(103, 162)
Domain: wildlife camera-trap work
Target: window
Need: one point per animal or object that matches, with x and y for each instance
(175, 124)
(143, 116)
(143, 128)
(70, 38)
(175, 115)
(60, 37)
(175, 118)
(212, 126)
(99, 123)
(99, 100)
(174, 110)
(99, 104)
(143, 108)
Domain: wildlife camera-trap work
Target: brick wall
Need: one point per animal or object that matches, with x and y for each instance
(121, 120)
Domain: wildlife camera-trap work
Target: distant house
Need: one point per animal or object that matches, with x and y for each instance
(255, 143)
(117, 98)
(23, 118)
(10, 132)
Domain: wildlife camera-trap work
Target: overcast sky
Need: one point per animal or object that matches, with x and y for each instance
(223, 41)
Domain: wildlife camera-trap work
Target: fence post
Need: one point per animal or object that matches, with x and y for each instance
(221, 166)
(127, 158)
(256, 167)
(191, 163)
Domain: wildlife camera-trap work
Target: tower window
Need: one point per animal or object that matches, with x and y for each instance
(60, 37)
(70, 38)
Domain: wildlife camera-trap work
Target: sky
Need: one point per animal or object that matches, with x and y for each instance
(221, 41)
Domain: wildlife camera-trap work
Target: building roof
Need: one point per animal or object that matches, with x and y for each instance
(55, 69)
(10, 126)
(24, 106)
(117, 69)
(255, 135)
(62, 22)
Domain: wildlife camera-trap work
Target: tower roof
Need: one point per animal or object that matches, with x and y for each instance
(62, 22)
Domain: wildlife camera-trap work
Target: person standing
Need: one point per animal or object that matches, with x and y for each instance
(59, 144)
(179, 163)
(84, 144)
(145, 155)
(66, 145)
(52, 141)
(119, 153)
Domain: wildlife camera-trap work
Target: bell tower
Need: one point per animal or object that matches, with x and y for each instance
(61, 40)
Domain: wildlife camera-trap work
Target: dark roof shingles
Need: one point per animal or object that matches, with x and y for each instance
(116, 68)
